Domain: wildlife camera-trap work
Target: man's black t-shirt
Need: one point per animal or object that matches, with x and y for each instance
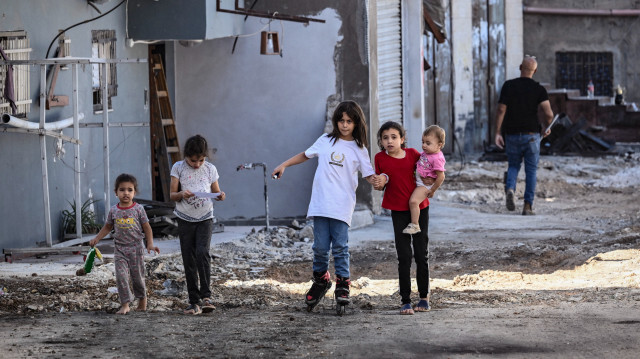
(522, 97)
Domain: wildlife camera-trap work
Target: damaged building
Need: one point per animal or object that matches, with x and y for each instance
(581, 43)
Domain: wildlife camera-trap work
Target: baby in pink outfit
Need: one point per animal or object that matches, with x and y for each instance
(429, 173)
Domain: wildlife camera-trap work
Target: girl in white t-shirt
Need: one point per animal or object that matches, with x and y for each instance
(195, 219)
(341, 154)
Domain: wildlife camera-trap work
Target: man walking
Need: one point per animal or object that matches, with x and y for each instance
(517, 117)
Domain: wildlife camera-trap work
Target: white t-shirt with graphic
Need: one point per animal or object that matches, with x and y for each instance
(333, 193)
(194, 209)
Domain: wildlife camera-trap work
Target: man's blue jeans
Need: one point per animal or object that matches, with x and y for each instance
(330, 234)
(519, 147)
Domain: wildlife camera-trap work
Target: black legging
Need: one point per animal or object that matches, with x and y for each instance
(420, 252)
(195, 242)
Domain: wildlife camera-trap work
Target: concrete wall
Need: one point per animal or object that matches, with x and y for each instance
(468, 70)
(481, 73)
(22, 209)
(260, 108)
(514, 44)
(544, 35)
(462, 45)
(438, 85)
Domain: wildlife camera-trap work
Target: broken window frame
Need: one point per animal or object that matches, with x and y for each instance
(16, 46)
(574, 70)
(103, 45)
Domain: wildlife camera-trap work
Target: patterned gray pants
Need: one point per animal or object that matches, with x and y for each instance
(129, 263)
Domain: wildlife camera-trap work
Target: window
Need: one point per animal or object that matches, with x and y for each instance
(103, 46)
(574, 70)
(15, 45)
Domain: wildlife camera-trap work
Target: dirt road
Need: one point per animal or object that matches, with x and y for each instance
(564, 283)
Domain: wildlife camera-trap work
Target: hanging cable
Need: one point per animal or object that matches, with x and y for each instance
(245, 20)
(282, 37)
(80, 23)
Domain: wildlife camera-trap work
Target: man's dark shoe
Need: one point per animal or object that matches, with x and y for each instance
(511, 205)
(527, 210)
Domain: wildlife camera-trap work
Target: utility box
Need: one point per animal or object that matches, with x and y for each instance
(182, 20)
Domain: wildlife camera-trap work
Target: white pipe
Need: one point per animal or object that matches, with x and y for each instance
(52, 126)
(583, 12)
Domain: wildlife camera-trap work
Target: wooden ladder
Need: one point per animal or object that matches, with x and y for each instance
(165, 148)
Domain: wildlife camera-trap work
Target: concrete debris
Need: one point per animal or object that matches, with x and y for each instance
(172, 288)
(248, 258)
(364, 301)
(263, 248)
(361, 282)
(306, 232)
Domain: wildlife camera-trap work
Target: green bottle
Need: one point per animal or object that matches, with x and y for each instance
(88, 263)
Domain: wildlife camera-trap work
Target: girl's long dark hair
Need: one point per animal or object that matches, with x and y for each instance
(391, 125)
(355, 113)
(196, 146)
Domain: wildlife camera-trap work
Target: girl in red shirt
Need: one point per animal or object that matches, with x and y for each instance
(398, 164)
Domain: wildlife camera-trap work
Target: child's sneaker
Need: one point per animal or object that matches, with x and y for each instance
(411, 229)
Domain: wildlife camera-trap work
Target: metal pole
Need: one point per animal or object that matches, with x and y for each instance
(266, 196)
(76, 135)
(248, 166)
(105, 140)
(43, 155)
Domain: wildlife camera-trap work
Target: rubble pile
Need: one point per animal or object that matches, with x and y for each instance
(482, 183)
(263, 248)
(245, 259)
(242, 260)
(55, 295)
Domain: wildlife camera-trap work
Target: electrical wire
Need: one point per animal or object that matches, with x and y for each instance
(78, 24)
(253, 34)
(110, 152)
(281, 37)
(233, 49)
(259, 31)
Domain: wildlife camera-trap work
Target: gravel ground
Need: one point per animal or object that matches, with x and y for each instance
(563, 283)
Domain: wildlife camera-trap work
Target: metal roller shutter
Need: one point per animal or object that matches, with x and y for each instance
(389, 61)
